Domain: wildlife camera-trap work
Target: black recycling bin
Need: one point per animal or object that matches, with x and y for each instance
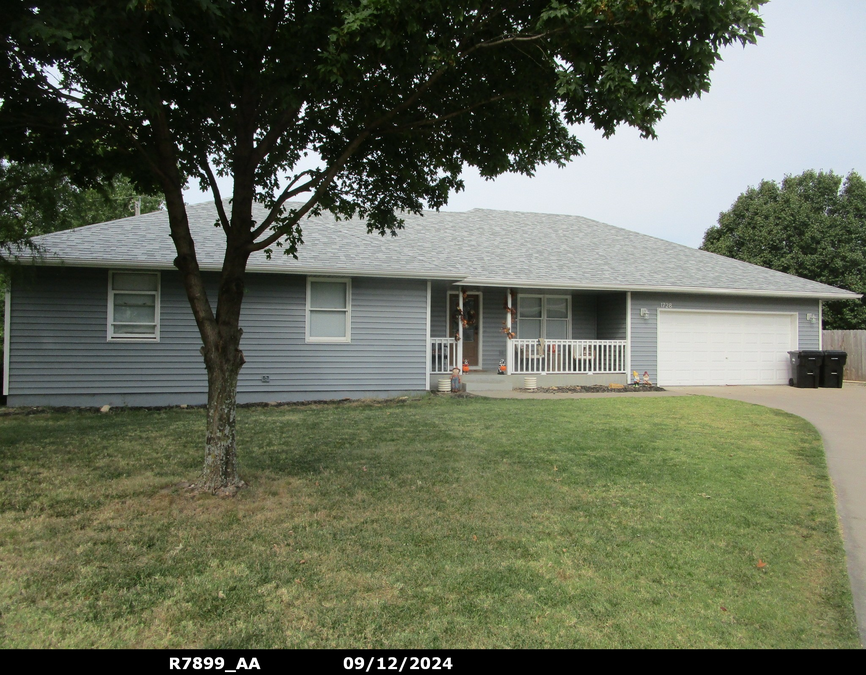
(805, 368)
(831, 368)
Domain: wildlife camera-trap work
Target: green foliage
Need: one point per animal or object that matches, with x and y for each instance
(394, 96)
(812, 225)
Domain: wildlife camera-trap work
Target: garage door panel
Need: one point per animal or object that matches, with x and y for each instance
(724, 347)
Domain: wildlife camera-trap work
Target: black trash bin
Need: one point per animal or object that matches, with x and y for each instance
(805, 368)
(831, 368)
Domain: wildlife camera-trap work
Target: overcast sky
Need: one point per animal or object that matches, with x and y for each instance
(795, 101)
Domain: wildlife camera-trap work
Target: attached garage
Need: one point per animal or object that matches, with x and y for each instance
(723, 347)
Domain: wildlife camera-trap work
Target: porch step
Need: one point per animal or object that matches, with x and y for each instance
(476, 386)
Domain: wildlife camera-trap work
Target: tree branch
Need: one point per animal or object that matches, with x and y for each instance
(270, 139)
(286, 195)
(356, 143)
(324, 182)
(447, 116)
(218, 200)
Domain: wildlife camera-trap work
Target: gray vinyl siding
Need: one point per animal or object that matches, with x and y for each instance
(58, 340)
(388, 334)
(644, 332)
(612, 316)
(59, 353)
(439, 308)
(494, 341)
(584, 316)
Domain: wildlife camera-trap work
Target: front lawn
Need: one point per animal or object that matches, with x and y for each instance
(440, 523)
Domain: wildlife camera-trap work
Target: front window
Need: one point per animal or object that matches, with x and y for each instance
(328, 310)
(133, 306)
(543, 316)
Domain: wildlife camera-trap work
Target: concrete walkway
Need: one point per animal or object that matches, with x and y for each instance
(839, 415)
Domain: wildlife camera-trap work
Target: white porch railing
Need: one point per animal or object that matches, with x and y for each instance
(568, 356)
(443, 355)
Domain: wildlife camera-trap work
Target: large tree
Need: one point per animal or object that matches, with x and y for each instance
(812, 225)
(392, 98)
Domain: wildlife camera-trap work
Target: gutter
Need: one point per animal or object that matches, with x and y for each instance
(437, 275)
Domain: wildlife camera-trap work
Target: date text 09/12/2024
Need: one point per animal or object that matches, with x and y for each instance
(358, 663)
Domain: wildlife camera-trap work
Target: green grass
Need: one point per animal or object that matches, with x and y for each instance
(438, 523)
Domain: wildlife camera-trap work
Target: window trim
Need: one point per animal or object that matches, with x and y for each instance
(544, 317)
(137, 337)
(348, 311)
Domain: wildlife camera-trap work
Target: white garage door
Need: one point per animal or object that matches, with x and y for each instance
(697, 348)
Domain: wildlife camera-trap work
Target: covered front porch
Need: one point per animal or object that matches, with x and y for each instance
(565, 336)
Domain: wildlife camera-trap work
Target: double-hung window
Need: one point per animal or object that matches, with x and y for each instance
(543, 316)
(133, 306)
(329, 304)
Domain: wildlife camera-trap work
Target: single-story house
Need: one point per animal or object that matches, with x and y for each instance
(100, 316)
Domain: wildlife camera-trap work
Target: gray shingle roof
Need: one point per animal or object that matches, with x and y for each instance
(478, 247)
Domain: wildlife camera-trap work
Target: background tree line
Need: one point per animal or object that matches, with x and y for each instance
(812, 225)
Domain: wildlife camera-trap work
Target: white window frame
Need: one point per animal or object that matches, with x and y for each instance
(544, 317)
(137, 337)
(347, 311)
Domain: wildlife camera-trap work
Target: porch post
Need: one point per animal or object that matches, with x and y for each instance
(628, 337)
(460, 329)
(820, 324)
(427, 349)
(509, 351)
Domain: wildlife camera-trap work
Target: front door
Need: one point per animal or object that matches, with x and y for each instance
(471, 325)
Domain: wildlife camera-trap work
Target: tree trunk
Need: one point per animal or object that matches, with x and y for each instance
(220, 472)
(220, 332)
(223, 359)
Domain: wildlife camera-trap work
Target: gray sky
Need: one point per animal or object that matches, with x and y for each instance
(795, 101)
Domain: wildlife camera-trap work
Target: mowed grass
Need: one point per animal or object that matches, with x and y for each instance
(438, 523)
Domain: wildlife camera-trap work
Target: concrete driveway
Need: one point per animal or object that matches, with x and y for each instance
(840, 417)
